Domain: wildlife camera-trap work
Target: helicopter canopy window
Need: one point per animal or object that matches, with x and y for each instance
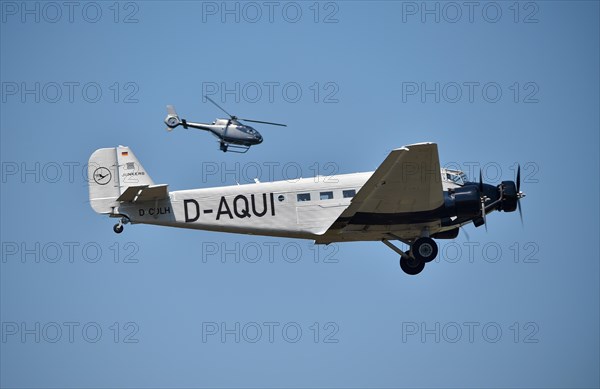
(303, 197)
(458, 178)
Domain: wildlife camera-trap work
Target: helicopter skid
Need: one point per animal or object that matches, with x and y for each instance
(234, 148)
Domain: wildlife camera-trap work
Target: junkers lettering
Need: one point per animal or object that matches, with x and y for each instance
(240, 207)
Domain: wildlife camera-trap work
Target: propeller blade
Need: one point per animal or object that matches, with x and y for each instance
(483, 214)
(466, 233)
(218, 106)
(480, 182)
(258, 121)
(519, 194)
(482, 200)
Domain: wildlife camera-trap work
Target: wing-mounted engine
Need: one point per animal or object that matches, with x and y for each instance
(464, 202)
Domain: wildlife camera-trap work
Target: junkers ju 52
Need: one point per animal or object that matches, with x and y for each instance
(409, 198)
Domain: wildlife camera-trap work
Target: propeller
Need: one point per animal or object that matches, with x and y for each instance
(520, 194)
(466, 233)
(233, 117)
(483, 198)
(480, 182)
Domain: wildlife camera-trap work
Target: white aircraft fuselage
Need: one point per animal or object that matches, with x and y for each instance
(408, 198)
(269, 209)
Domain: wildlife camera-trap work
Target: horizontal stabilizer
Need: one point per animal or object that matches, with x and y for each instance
(141, 193)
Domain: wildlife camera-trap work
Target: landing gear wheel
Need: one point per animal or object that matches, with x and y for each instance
(118, 228)
(411, 266)
(223, 147)
(425, 249)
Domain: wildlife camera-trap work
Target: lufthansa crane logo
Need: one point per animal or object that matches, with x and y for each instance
(102, 176)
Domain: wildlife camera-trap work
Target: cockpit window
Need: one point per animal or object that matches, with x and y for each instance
(247, 130)
(457, 178)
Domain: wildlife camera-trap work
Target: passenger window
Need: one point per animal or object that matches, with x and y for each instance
(303, 196)
(326, 195)
(348, 194)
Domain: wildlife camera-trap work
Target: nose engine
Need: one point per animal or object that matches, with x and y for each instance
(504, 197)
(474, 200)
(509, 196)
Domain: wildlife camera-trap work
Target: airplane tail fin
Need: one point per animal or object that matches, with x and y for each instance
(110, 172)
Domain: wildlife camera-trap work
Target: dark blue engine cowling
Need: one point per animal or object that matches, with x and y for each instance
(509, 196)
(463, 202)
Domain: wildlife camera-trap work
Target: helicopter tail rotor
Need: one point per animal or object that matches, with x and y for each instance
(172, 120)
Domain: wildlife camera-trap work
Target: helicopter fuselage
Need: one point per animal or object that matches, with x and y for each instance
(229, 131)
(232, 133)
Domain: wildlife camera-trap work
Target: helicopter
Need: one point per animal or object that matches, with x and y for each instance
(233, 135)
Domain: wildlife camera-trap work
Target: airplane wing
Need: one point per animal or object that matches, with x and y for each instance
(406, 184)
(140, 193)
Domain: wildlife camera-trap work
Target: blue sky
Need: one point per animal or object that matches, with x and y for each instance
(494, 85)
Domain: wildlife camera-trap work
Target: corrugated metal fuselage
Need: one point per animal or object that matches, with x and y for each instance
(273, 209)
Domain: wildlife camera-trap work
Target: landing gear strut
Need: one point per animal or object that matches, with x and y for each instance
(118, 228)
(412, 262)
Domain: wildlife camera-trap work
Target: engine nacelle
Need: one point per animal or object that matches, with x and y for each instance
(464, 202)
(509, 196)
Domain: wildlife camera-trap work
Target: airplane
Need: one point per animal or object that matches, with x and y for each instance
(409, 198)
(233, 135)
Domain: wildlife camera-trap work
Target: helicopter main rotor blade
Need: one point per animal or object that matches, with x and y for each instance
(221, 108)
(258, 121)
